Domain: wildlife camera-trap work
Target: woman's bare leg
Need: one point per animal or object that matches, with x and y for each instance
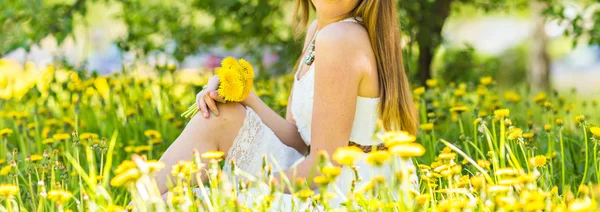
(203, 134)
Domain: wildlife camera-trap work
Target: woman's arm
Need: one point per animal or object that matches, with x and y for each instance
(285, 129)
(338, 73)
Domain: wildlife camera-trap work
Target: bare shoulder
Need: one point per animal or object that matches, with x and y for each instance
(345, 31)
(347, 41)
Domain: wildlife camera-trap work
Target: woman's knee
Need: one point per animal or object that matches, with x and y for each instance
(224, 127)
(231, 111)
(230, 118)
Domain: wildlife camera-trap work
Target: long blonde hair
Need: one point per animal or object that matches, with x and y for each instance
(396, 107)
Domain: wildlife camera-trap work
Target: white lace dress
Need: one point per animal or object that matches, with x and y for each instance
(255, 139)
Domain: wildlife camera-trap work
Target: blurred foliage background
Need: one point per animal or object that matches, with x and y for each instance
(443, 38)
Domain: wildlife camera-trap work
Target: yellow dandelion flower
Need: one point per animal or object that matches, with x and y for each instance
(583, 189)
(154, 165)
(61, 136)
(144, 148)
(322, 180)
(326, 196)
(5, 132)
(538, 161)
(378, 158)
(501, 113)
(486, 80)
(441, 168)
(248, 71)
(155, 140)
(507, 171)
(460, 92)
(152, 134)
(447, 155)
(540, 97)
(559, 122)
(229, 62)
(212, 155)
(8, 190)
(554, 190)
(509, 181)
(395, 137)
(124, 166)
(5, 170)
(408, 150)
(59, 195)
(35, 157)
(595, 131)
(115, 208)
(528, 135)
(419, 91)
(331, 171)
(347, 155)
(128, 176)
(102, 87)
(48, 141)
(512, 96)
(481, 91)
(580, 205)
(228, 75)
(547, 127)
(514, 133)
(424, 167)
(459, 109)
(86, 136)
(232, 91)
(304, 194)
(427, 127)
(422, 199)
(432, 83)
(476, 121)
(184, 168)
(579, 119)
(484, 163)
(478, 181)
(507, 202)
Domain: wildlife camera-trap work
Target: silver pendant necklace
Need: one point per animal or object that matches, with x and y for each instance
(310, 55)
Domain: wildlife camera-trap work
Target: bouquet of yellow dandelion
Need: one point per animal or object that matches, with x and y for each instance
(236, 78)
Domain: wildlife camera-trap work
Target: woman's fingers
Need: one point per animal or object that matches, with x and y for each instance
(198, 99)
(215, 96)
(202, 105)
(211, 105)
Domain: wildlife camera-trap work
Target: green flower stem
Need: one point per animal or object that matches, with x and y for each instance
(595, 156)
(462, 133)
(562, 155)
(585, 168)
(502, 142)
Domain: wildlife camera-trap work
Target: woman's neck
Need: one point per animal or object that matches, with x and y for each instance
(324, 20)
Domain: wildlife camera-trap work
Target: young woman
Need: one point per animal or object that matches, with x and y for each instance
(350, 75)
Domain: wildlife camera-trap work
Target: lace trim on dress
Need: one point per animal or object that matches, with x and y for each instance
(246, 145)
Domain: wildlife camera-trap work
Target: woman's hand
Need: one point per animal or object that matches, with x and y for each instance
(208, 97)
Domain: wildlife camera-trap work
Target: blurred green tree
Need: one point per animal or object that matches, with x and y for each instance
(423, 21)
(26, 22)
(581, 17)
(151, 24)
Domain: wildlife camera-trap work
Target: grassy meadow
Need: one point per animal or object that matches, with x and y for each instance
(72, 140)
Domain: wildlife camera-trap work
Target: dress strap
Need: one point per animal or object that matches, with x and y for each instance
(353, 19)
